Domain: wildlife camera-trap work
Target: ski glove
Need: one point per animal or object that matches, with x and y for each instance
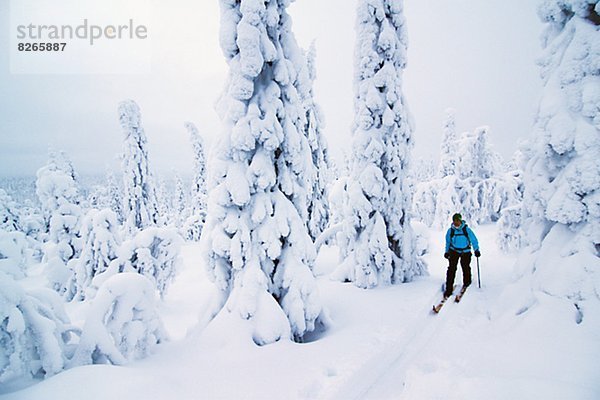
(477, 253)
(447, 256)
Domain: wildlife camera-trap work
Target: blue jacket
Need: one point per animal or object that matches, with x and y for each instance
(458, 242)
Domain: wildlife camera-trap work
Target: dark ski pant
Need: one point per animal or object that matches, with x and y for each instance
(465, 263)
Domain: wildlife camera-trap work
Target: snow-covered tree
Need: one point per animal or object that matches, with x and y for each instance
(562, 177)
(256, 241)
(478, 188)
(115, 198)
(101, 240)
(58, 193)
(34, 331)
(195, 222)
(422, 170)
(449, 147)
(377, 242)
(164, 203)
(122, 323)
(180, 201)
(475, 157)
(511, 237)
(559, 268)
(139, 197)
(152, 252)
(9, 213)
(318, 206)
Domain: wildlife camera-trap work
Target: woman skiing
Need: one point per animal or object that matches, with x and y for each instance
(459, 240)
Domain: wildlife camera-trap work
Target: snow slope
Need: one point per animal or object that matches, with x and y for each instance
(381, 344)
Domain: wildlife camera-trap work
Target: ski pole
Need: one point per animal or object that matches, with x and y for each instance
(478, 275)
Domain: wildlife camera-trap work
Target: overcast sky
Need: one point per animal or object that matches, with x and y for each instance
(473, 55)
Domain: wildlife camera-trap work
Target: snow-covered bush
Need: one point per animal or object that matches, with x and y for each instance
(9, 213)
(256, 242)
(14, 253)
(509, 232)
(195, 222)
(139, 196)
(34, 332)
(377, 243)
(152, 252)
(122, 323)
(100, 234)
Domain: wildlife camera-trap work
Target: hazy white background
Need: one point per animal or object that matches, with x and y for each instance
(477, 56)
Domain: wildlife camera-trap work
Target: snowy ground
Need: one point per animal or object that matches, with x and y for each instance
(382, 344)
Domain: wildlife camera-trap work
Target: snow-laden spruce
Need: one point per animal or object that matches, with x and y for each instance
(101, 240)
(318, 207)
(195, 222)
(115, 196)
(34, 332)
(58, 193)
(180, 201)
(449, 146)
(377, 243)
(562, 177)
(256, 241)
(122, 323)
(139, 197)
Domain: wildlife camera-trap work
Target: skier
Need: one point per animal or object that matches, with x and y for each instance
(459, 240)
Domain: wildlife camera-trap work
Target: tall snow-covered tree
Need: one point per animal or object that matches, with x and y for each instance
(562, 177)
(180, 201)
(448, 153)
(139, 197)
(318, 207)
(199, 184)
(377, 242)
(195, 222)
(256, 241)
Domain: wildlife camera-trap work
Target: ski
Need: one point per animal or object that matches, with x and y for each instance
(436, 309)
(460, 295)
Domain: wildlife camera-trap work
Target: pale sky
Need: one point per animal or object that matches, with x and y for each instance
(477, 56)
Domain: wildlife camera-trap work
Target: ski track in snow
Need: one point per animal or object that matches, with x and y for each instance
(384, 374)
(397, 355)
